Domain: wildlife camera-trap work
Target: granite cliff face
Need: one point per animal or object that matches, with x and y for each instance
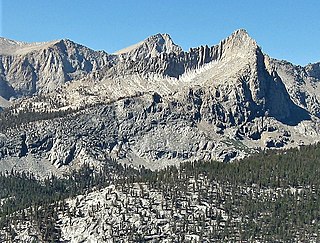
(42, 67)
(151, 104)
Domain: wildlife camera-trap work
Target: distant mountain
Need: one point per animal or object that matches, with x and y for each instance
(42, 67)
(150, 104)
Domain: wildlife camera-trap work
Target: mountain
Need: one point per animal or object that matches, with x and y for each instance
(41, 67)
(150, 104)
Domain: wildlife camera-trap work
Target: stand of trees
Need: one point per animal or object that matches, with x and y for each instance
(274, 194)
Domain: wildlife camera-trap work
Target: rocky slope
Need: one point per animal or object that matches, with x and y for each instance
(151, 103)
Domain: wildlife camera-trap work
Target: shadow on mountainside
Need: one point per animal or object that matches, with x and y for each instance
(280, 105)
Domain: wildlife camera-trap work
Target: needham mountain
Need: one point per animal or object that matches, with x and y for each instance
(152, 104)
(87, 139)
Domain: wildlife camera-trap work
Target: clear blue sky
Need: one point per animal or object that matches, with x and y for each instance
(285, 29)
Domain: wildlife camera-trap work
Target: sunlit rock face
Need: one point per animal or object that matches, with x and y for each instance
(150, 104)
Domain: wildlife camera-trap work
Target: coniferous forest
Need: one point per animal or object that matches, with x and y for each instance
(272, 196)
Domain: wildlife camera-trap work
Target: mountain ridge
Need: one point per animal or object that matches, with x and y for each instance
(153, 104)
(240, 30)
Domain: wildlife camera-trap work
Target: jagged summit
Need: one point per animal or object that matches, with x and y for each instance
(151, 47)
(240, 35)
(158, 54)
(165, 43)
(243, 36)
(239, 44)
(240, 32)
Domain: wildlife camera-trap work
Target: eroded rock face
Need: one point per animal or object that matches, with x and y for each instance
(153, 103)
(41, 68)
(149, 130)
(158, 54)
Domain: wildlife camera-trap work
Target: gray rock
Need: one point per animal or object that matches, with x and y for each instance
(152, 103)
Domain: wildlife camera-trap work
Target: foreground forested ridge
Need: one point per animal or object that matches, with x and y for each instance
(271, 196)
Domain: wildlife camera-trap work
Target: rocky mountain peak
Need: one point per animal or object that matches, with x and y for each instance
(69, 47)
(162, 43)
(29, 68)
(153, 46)
(238, 44)
(241, 36)
(240, 32)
